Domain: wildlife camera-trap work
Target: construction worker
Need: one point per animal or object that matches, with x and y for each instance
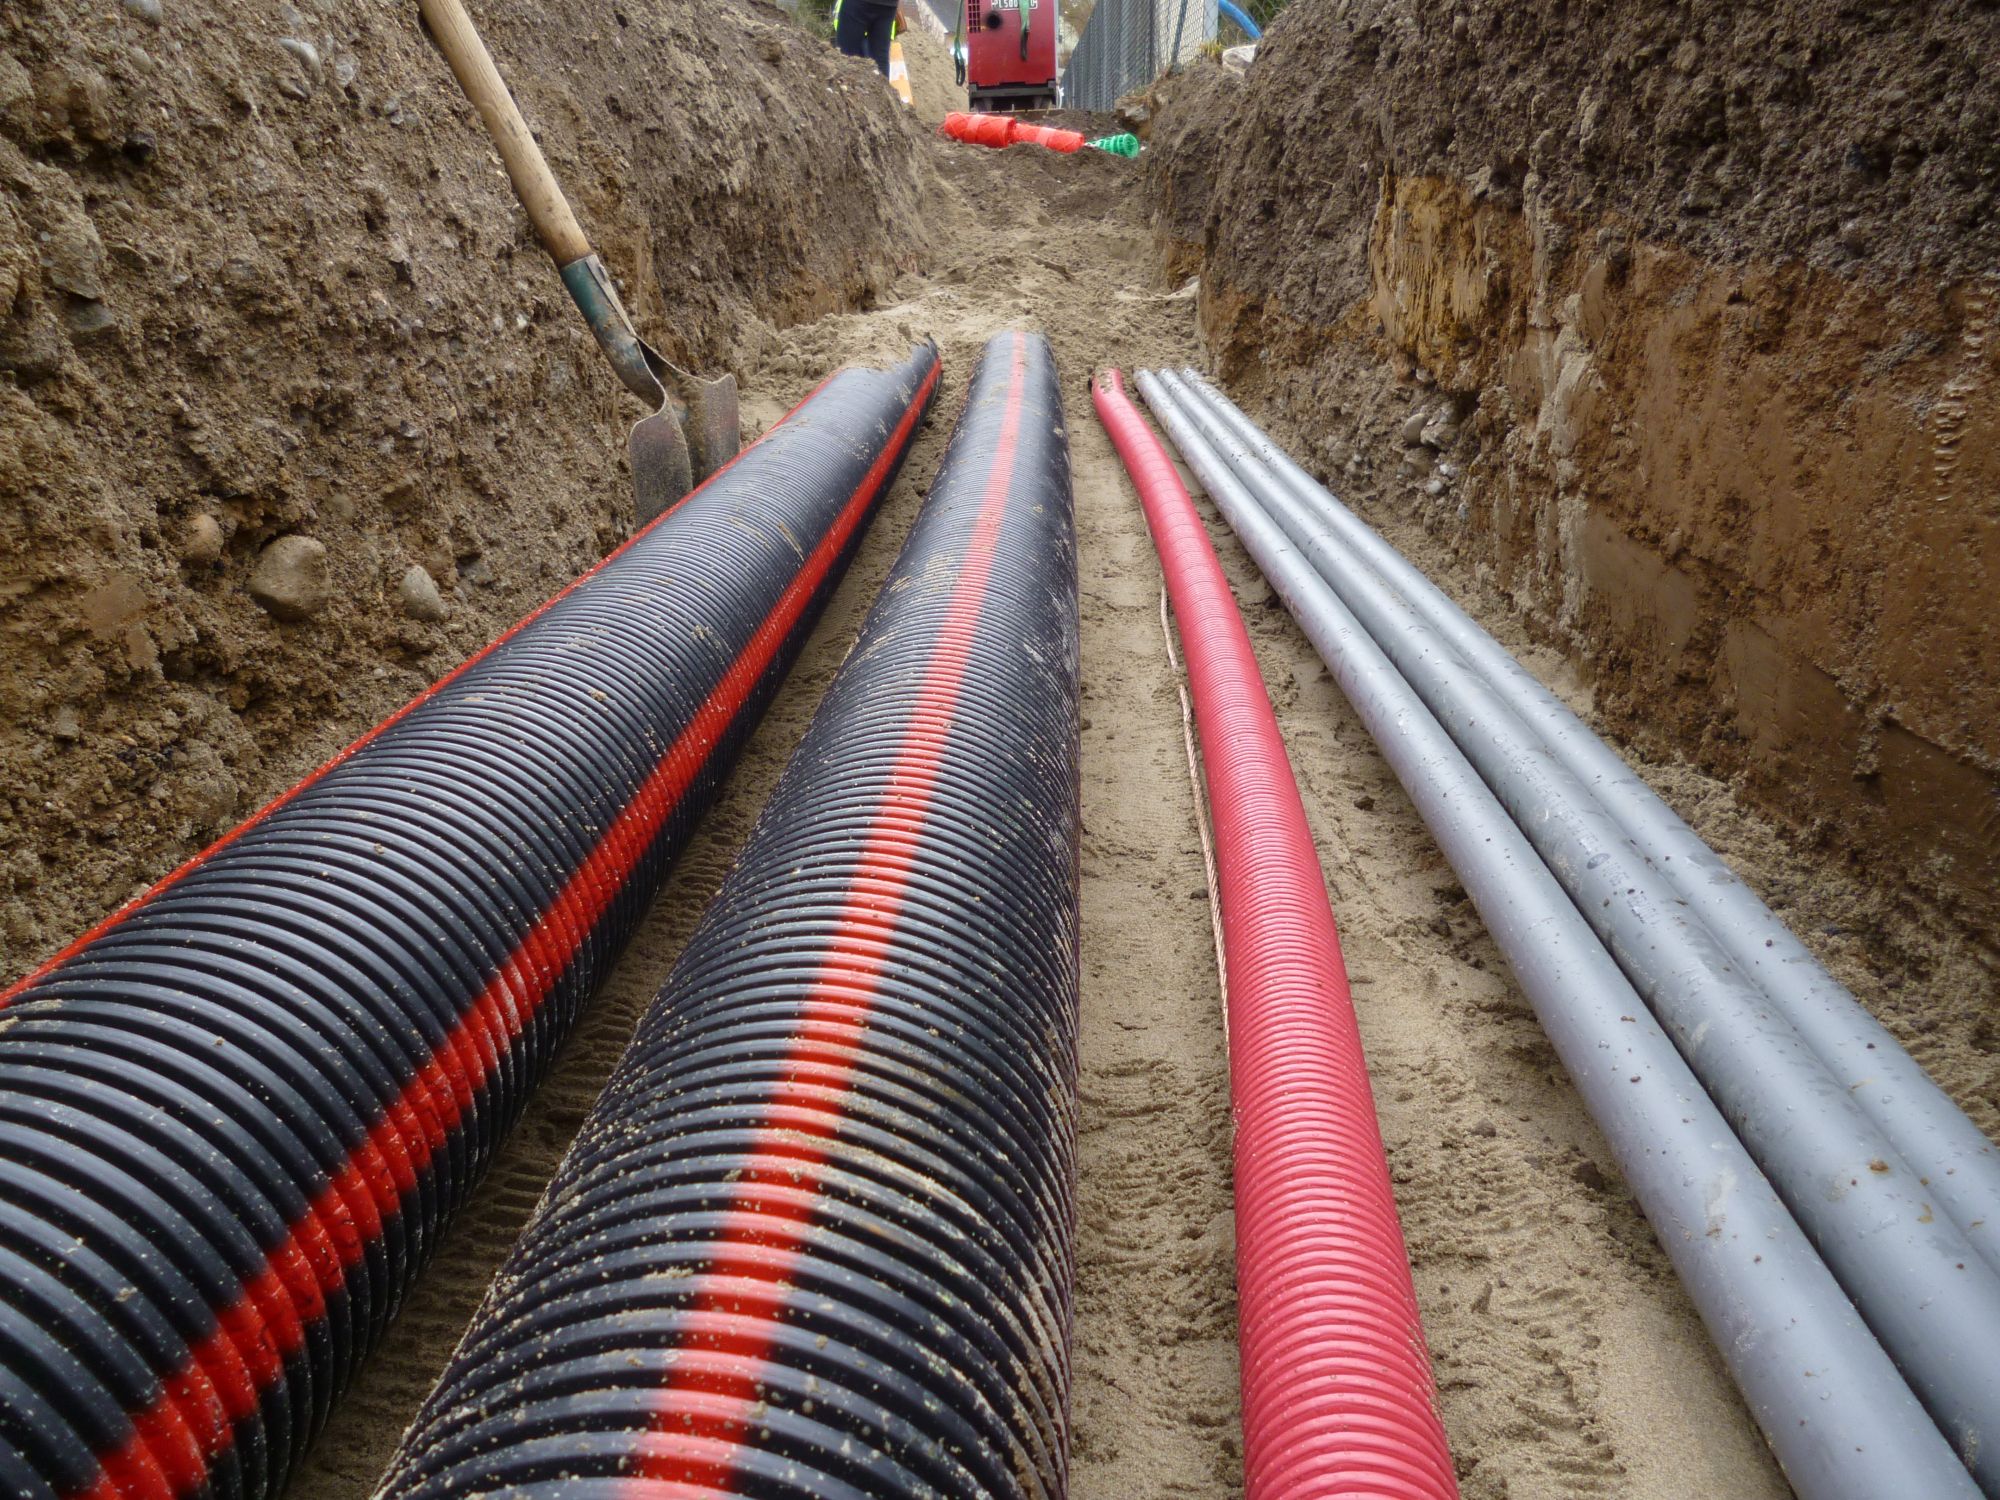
(864, 28)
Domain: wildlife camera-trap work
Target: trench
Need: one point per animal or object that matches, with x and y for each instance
(1569, 1361)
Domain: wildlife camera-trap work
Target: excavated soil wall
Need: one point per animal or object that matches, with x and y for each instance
(261, 278)
(1675, 323)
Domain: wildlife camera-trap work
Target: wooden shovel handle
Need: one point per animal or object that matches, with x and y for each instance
(457, 38)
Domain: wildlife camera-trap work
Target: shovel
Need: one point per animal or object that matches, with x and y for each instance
(693, 429)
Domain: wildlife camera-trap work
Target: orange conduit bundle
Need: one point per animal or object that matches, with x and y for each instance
(1005, 130)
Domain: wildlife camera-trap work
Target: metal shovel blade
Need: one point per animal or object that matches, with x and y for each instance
(661, 470)
(713, 422)
(694, 433)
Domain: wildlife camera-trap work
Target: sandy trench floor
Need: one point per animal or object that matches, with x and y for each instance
(1569, 1361)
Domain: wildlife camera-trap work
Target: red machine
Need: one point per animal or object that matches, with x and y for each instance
(1010, 54)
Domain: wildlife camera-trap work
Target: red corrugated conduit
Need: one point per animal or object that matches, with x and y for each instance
(1005, 130)
(1337, 1390)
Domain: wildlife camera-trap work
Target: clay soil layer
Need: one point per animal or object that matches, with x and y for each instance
(1687, 315)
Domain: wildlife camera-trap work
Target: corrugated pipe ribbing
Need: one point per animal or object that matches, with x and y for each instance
(815, 1238)
(235, 1116)
(1337, 1390)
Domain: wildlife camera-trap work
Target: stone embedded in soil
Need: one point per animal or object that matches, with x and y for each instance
(210, 791)
(73, 100)
(145, 10)
(1588, 1174)
(201, 544)
(419, 595)
(87, 317)
(290, 580)
(303, 50)
(31, 347)
(298, 83)
(72, 255)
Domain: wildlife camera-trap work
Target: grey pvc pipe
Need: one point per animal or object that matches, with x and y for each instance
(1839, 1416)
(1931, 1299)
(1954, 1159)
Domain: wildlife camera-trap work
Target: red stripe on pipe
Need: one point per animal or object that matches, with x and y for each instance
(133, 1474)
(1337, 1390)
(245, 1355)
(710, 1405)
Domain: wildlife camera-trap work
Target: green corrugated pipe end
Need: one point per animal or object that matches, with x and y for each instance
(1118, 145)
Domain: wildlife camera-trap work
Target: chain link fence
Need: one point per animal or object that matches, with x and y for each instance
(1126, 44)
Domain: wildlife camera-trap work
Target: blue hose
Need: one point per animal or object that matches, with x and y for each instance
(1243, 22)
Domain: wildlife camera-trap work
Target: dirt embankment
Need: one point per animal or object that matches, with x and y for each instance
(1675, 324)
(934, 89)
(260, 277)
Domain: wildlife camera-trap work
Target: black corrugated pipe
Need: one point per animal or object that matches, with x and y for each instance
(815, 1238)
(235, 1116)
